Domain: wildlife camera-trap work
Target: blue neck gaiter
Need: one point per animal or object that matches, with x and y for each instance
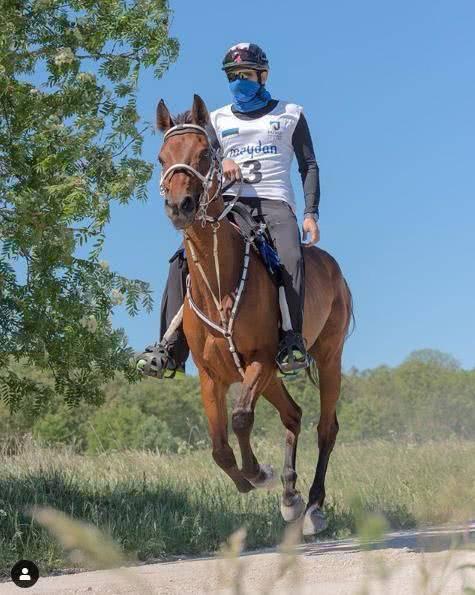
(248, 95)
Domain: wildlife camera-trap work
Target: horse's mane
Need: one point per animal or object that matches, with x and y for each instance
(183, 118)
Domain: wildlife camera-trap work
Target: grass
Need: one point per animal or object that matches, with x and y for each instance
(168, 505)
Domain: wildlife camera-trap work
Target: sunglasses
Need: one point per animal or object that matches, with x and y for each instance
(234, 76)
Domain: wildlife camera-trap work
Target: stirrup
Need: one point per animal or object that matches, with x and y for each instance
(156, 362)
(292, 355)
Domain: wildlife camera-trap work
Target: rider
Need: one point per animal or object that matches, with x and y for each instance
(258, 137)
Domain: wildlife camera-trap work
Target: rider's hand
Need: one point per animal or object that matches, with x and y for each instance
(310, 227)
(231, 170)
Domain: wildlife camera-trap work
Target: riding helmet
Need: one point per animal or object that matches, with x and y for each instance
(245, 54)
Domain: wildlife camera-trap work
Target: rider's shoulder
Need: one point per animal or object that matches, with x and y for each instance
(290, 107)
(226, 109)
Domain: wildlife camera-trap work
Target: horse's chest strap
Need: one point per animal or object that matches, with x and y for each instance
(227, 324)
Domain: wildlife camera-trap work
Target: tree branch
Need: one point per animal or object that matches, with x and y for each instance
(129, 143)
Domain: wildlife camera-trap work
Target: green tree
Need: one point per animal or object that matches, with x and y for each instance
(70, 145)
(63, 424)
(121, 427)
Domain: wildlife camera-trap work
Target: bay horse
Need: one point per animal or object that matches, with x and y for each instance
(232, 345)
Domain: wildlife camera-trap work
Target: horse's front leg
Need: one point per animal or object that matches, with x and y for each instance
(293, 505)
(213, 394)
(256, 378)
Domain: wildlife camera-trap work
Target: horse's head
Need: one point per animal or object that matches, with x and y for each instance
(187, 162)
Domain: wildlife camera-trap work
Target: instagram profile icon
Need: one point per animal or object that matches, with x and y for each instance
(25, 574)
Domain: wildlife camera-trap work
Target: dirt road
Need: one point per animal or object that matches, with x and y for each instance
(395, 566)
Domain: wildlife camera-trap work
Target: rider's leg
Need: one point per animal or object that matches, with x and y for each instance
(285, 234)
(168, 356)
(172, 300)
(284, 231)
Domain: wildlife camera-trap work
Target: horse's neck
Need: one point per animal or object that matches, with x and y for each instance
(230, 252)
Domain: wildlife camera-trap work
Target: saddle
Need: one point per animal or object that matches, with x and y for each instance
(258, 234)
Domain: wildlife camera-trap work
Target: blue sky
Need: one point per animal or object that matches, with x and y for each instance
(389, 93)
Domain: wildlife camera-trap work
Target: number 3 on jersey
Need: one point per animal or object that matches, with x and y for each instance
(251, 171)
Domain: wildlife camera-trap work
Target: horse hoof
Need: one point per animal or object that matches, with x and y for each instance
(314, 521)
(244, 486)
(265, 478)
(292, 512)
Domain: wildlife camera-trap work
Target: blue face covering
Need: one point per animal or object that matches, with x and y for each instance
(248, 95)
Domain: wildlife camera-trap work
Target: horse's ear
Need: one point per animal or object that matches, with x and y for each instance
(164, 119)
(199, 112)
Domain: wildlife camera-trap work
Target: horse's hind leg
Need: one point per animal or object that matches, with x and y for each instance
(292, 505)
(255, 380)
(327, 353)
(213, 395)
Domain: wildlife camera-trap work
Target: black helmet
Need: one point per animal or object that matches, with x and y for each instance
(245, 54)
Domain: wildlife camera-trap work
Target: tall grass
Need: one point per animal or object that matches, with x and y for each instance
(164, 505)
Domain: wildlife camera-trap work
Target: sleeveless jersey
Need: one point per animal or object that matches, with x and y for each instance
(262, 147)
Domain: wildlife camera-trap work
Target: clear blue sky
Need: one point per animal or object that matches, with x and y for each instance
(388, 89)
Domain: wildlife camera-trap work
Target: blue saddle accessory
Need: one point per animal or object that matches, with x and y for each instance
(268, 254)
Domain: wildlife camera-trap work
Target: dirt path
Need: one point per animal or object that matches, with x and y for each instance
(395, 566)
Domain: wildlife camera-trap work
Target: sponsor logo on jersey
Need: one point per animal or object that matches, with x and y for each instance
(229, 132)
(253, 150)
(274, 130)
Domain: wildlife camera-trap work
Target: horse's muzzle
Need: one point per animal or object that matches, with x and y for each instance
(182, 212)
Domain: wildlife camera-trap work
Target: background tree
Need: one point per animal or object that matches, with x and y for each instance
(70, 145)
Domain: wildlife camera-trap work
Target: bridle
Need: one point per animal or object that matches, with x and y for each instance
(215, 170)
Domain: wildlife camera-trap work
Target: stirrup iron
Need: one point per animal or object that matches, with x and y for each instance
(156, 362)
(292, 355)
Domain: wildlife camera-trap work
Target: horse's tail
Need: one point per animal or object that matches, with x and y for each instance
(350, 312)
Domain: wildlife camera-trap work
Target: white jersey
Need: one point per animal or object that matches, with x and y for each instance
(262, 147)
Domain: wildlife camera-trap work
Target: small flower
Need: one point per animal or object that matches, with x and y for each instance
(104, 265)
(117, 297)
(64, 56)
(92, 324)
(34, 91)
(86, 77)
(89, 323)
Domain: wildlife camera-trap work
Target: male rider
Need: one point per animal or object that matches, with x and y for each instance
(258, 137)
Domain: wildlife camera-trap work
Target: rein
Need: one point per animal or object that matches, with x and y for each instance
(215, 170)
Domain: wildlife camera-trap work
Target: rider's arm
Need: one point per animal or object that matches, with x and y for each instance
(308, 167)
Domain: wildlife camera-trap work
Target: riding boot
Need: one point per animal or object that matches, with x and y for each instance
(292, 355)
(157, 361)
(166, 358)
